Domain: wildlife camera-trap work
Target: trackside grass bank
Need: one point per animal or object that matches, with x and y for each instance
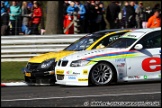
(12, 71)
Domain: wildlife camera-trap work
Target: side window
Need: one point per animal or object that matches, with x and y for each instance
(107, 40)
(151, 40)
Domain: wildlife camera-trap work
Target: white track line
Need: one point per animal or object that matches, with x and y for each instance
(84, 96)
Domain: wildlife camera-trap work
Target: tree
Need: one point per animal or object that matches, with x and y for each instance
(54, 20)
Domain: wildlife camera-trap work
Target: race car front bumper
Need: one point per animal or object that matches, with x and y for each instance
(39, 77)
(73, 76)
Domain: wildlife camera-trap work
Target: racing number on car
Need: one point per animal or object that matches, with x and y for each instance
(152, 64)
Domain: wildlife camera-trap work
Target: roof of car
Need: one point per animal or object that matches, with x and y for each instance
(147, 29)
(103, 32)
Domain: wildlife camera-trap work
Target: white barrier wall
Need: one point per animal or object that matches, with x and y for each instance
(21, 48)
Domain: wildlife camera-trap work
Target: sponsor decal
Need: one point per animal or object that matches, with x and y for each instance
(69, 72)
(133, 77)
(152, 64)
(120, 60)
(132, 36)
(145, 76)
(76, 73)
(60, 72)
(85, 72)
(121, 65)
(83, 79)
(71, 77)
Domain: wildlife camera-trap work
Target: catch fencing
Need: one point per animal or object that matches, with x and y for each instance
(21, 48)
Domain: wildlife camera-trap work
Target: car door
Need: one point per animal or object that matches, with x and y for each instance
(146, 63)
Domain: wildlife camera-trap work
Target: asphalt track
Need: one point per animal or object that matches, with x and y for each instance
(129, 94)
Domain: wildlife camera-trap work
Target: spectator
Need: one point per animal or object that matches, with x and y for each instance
(6, 5)
(130, 15)
(155, 20)
(112, 14)
(25, 18)
(30, 8)
(146, 16)
(3, 8)
(100, 22)
(30, 5)
(81, 12)
(156, 6)
(92, 16)
(124, 14)
(87, 20)
(135, 4)
(15, 14)
(66, 4)
(119, 19)
(4, 21)
(70, 11)
(139, 15)
(36, 18)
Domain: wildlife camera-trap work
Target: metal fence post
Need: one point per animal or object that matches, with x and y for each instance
(76, 23)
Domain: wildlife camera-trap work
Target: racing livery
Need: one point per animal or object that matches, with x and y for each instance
(40, 69)
(135, 56)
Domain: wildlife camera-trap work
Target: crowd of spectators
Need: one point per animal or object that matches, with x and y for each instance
(20, 17)
(24, 17)
(132, 15)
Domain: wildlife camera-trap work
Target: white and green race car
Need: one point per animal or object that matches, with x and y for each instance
(135, 56)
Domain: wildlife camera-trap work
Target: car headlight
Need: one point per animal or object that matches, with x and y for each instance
(79, 63)
(46, 64)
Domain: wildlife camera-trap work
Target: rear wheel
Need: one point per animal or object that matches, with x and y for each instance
(102, 74)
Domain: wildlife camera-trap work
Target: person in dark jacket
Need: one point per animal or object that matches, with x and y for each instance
(130, 15)
(92, 17)
(112, 14)
(66, 4)
(101, 25)
(87, 20)
(4, 22)
(156, 7)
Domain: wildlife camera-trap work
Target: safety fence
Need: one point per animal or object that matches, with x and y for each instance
(21, 48)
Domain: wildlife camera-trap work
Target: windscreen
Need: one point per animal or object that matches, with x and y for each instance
(83, 43)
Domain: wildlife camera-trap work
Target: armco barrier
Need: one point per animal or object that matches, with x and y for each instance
(21, 48)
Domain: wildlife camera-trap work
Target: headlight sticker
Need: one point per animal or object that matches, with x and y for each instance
(60, 72)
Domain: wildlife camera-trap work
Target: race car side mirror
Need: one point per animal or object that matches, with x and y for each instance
(138, 46)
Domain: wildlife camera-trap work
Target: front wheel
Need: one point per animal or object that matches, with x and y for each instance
(102, 74)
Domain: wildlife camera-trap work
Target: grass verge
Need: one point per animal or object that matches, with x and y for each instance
(12, 71)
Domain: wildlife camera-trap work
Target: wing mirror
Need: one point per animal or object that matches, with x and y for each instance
(138, 46)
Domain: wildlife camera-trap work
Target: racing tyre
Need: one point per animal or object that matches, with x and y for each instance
(102, 74)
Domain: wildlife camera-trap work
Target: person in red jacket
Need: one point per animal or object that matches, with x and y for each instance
(36, 18)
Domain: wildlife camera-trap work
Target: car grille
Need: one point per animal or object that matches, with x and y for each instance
(32, 66)
(62, 63)
(60, 77)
